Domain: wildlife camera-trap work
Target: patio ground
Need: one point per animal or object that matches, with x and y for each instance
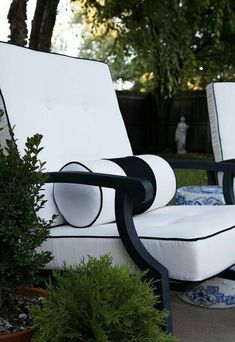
(195, 324)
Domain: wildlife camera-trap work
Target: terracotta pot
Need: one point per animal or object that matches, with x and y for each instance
(25, 335)
(21, 336)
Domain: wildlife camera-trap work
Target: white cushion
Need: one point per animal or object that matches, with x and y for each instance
(70, 101)
(193, 242)
(84, 205)
(156, 170)
(164, 177)
(221, 107)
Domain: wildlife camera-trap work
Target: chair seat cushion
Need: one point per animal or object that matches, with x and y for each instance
(193, 242)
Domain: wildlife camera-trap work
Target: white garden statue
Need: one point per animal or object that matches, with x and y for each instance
(180, 136)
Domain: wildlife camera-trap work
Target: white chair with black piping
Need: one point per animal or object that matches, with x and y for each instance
(72, 103)
(221, 104)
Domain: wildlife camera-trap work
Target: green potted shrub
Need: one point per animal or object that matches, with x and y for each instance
(99, 302)
(21, 230)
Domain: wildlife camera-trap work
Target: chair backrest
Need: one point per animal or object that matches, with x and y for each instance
(70, 101)
(221, 107)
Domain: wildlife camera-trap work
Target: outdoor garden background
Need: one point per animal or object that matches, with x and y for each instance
(161, 54)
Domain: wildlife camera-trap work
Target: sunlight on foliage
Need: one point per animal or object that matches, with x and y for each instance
(195, 84)
(176, 41)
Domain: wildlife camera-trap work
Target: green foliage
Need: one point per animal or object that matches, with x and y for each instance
(188, 176)
(21, 230)
(175, 40)
(99, 302)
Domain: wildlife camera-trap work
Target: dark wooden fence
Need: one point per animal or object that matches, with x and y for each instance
(138, 111)
(141, 119)
(193, 106)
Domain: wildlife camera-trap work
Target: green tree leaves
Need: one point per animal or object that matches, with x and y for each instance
(175, 40)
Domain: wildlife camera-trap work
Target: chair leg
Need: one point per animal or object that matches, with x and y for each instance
(141, 257)
(162, 290)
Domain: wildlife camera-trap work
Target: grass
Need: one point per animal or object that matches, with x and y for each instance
(189, 177)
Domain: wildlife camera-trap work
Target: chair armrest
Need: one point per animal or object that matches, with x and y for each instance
(203, 165)
(197, 165)
(139, 190)
(228, 182)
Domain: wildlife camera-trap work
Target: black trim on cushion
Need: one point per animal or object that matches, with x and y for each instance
(144, 237)
(101, 197)
(137, 167)
(53, 53)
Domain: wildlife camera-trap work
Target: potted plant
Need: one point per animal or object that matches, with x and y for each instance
(21, 229)
(99, 302)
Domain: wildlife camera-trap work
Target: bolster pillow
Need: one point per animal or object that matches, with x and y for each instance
(85, 205)
(156, 170)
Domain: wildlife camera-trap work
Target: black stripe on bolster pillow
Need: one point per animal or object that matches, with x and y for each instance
(136, 167)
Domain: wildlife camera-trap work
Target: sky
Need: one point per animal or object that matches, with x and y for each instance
(65, 36)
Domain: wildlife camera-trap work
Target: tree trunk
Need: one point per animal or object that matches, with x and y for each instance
(17, 20)
(36, 24)
(43, 24)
